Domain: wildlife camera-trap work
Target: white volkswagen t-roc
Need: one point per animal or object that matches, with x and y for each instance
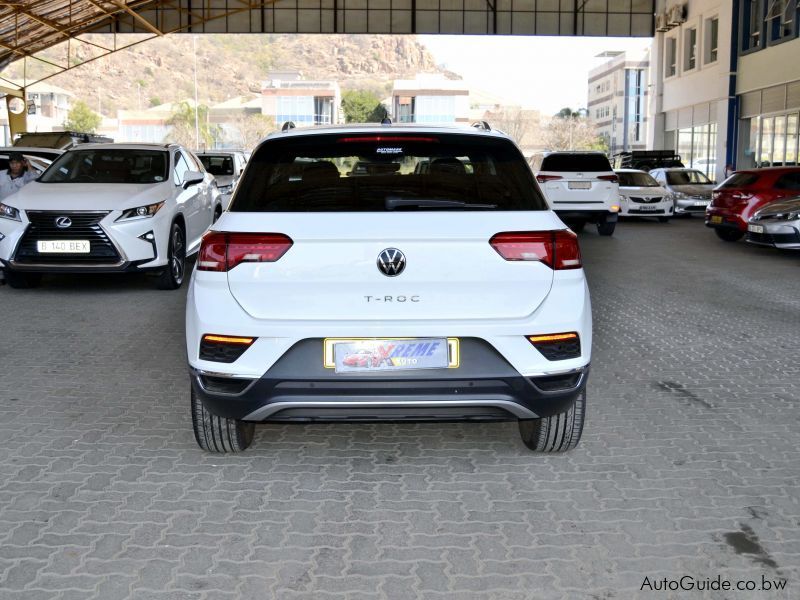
(347, 283)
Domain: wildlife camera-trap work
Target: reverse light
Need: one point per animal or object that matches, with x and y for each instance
(546, 178)
(9, 212)
(222, 251)
(559, 250)
(141, 212)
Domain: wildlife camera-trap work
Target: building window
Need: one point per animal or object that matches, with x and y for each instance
(752, 24)
(690, 49)
(781, 19)
(635, 108)
(712, 40)
(670, 66)
(697, 147)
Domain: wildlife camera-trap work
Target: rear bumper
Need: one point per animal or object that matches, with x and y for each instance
(586, 216)
(298, 388)
(727, 220)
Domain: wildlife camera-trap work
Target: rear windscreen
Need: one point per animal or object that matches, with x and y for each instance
(636, 180)
(370, 172)
(217, 164)
(575, 162)
(687, 178)
(739, 180)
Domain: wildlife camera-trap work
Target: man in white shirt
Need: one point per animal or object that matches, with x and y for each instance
(18, 174)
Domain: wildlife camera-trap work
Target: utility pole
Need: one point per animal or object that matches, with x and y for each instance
(196, 106)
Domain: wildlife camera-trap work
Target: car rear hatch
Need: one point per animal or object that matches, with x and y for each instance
(343, 199)
(573, 179)
(333, 271)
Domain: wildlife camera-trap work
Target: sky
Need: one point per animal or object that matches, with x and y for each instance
(544, 73)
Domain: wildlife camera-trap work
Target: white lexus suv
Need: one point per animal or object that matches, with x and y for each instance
(346, 284)
(109, 208)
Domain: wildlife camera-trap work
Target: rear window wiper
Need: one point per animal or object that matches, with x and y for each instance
(393, 202)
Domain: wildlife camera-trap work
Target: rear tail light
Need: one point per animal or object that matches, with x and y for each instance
(364, 139)
(221, 251)
(559, 250)
(611, 178)
(557, 346)
(546, 178)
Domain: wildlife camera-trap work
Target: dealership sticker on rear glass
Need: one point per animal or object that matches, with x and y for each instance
(390, 355)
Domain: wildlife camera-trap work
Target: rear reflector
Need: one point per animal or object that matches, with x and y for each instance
(546, 178)
(221, 251)
(557, 346)
(226, 339)
(223, 348)
(559, 250)
(611, 178)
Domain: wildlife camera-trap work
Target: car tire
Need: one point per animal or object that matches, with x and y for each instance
(578, 227)
(219, 434)
(728, 235)
(558, 433)
(22, 281)
(663, 219)
(217, 213)
(172, 276)
(606, 228)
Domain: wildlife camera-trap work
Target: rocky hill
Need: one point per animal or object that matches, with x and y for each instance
(161, 70)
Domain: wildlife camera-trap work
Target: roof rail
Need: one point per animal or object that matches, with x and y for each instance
(482, 125)
(288, 125)
(386, 121)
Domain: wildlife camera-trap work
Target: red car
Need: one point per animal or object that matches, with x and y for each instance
(362, 358)
(737, 198)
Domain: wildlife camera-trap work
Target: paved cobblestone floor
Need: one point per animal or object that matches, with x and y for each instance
(689, 465)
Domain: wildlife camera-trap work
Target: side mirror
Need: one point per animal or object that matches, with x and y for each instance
(191, 178)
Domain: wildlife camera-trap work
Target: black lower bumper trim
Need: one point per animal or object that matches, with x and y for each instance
(484, 387)
(128, 267)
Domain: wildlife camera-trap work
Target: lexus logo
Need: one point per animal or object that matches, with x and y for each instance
(63, 222)
(391, 262)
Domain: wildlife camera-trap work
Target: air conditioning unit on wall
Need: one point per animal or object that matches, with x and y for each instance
(676, 14)
(661, 22)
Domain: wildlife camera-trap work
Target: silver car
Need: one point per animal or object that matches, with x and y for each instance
(690, 189)
(226, 166)
(776, 225)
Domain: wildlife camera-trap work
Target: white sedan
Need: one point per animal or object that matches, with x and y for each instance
(641, 196)
(109, 208)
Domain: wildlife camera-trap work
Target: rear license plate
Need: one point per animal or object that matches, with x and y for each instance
(716, 219)
(63, 246)
(755, 228)
(579, 185)
(372, 355)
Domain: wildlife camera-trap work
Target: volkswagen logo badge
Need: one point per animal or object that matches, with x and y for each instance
(63, 222)
(391, 262)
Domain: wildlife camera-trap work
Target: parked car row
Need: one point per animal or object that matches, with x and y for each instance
(761, 204)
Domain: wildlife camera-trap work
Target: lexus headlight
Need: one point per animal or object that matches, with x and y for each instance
(141, 212)
(9, 212)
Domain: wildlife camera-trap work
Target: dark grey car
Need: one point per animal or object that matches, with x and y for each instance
(690, 189)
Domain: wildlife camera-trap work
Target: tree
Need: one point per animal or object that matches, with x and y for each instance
(247, 129)
(183, 132)
(520, 124)
(82, 118)
(361, 106)
(572, 130)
